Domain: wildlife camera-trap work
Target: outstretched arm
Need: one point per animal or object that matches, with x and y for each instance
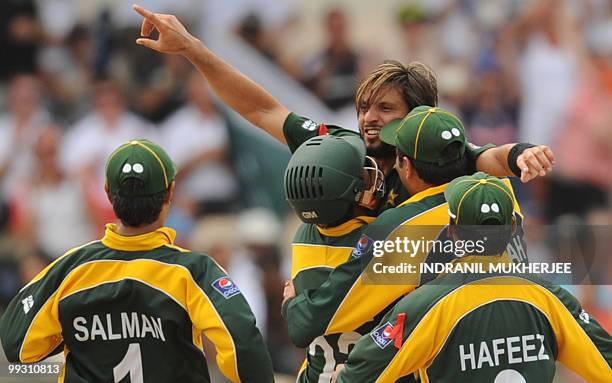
(236, 90)
(531, 162)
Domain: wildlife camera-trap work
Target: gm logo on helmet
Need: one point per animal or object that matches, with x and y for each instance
(382, 335)
(226, 287)
(309, 214)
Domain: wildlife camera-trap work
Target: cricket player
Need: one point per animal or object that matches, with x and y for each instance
(334, 188)
(431, 151)
(485, 327)
(134, 304)
(387, 94)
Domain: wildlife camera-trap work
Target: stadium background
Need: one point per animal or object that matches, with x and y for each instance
(73, 85)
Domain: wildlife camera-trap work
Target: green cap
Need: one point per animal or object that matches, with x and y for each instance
(143, 160)
(479, 198)
(424, 134)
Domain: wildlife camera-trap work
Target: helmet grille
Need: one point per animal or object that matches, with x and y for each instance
(304, 182)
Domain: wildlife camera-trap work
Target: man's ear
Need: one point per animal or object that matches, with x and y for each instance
(407, 167)
(108, 194)
(170, 194)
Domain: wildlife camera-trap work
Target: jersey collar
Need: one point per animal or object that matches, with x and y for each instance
(424, 194)
(143, 242)
(346, 227)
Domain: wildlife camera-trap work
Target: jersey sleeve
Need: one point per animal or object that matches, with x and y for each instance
(472, 152)
(337, 306)
(584, 346)
(30, 329)
(220, 310)
(403, 343)
(298, 129)
(377, 350)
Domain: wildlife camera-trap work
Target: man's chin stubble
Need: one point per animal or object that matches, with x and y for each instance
(381, 151)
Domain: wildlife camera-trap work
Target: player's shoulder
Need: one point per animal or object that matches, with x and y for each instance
(422, 300)
(63, 265)
(307, 234)
(193, 260)
(408, 210)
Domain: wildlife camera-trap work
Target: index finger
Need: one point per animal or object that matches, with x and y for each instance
(148, 15)
(549, 153)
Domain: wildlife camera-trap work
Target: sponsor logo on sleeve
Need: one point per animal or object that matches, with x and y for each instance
(226, 287)
(363, 246)
(382, 335)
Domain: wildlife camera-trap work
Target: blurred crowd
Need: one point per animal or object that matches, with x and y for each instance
(72, 90)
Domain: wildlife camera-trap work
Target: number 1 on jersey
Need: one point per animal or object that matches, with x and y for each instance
(131, 364)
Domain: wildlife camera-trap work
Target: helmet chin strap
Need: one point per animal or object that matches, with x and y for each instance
(370, 197)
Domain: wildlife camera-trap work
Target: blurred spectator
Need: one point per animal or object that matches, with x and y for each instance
(333, 73)
(165, 91)
(92, 139)
(584, 142)
(547, 69)
(417, 34)
(67, 71)
(20, 37)
(50, 209)
(259, 232)
(58, 18)
(197, 138)
(254, 33)
(491, 119)
(19, 130)
(454, 88)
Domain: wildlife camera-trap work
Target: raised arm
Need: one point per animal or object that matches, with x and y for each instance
(517, 159)
(236, 90)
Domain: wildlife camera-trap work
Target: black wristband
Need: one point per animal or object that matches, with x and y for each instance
(513, 155)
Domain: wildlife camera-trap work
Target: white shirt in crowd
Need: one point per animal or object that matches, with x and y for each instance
(187, 133)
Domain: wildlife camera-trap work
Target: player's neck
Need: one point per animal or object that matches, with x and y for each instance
(386, 165)
(128, 231)
(416, 185)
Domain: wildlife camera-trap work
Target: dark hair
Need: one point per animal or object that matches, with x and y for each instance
(435, 174)
(497, 235)
(416, 82)
(136, 211)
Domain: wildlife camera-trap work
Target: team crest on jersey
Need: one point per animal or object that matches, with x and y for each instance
(382, 335)
(363, 245)
(226, 287)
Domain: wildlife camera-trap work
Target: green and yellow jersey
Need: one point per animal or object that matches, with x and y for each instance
(135, 306)
(298, 129)
(483, 328)
(316, 251)
(344, 303)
